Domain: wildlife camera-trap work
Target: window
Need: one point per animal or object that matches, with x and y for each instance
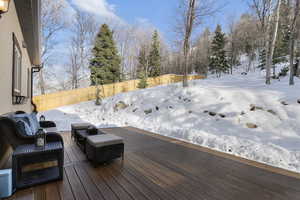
(17, 68)
(28, 82)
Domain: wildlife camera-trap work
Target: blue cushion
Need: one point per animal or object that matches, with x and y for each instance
(23, 117)
(34, 123)
(23, 127)
(31, 119)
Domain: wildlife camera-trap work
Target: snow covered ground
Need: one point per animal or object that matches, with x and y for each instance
(184, 114)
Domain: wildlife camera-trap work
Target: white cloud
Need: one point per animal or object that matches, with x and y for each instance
(97, 7)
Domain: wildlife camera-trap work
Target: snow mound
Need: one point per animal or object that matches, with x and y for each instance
(215, 113)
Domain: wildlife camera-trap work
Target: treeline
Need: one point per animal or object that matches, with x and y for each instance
(268, 32)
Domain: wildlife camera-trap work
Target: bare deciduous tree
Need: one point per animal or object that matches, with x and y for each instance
(263, 10)
(83, 31)
(191, 15)
(271, 44)
(293, 34)
(53, 21)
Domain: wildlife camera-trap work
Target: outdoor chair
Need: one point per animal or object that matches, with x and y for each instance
(48, 126)
(18, 133)
(14, 133)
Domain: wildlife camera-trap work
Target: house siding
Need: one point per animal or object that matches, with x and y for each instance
(10, 25)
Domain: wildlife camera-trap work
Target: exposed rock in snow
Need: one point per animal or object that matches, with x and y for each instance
(120, 106)
(254, 107)
(272, 112)
(222, 115)
(212, 113)
(251, 125)
(275, 140)
(149, 111)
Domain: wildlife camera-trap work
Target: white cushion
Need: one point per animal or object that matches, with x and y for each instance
(50, 130)
(104, 140)
(80, 125)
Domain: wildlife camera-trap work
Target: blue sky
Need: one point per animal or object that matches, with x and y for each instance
(159, 13)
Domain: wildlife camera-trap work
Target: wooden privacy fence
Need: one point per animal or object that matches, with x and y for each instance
(55, 100)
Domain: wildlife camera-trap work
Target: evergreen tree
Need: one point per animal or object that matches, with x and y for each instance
(154, 56)
(142, 68)
(143, 81)
(105, 63)
(143, 60)
(262, 59)
(218, 62)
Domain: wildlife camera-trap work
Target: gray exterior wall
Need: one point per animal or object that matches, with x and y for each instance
(10, 25)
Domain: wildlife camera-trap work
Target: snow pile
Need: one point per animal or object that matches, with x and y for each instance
(214, 113)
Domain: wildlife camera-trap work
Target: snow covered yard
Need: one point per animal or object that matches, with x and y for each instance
(214, 113)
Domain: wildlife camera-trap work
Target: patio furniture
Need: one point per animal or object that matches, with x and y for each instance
(48, 126)
(28, 155)
(18, 134)
(104, 148)
(78, 126)
(14, 133)
(81, 136)
(5, 183)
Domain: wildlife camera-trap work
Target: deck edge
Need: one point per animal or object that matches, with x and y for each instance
(252, 163)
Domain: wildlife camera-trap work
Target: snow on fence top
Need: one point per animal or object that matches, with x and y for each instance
(69, 97)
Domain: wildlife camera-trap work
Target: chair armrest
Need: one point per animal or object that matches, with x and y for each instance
(54, 137)
(47, 124)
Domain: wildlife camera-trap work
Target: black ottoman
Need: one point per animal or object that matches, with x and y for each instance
(78, 126)
(104, 148)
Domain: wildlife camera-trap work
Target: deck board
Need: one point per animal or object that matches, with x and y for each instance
(161, 168)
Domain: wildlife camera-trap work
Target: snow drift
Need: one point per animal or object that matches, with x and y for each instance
(215, 113)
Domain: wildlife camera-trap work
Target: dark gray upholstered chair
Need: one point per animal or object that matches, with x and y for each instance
(11, 134)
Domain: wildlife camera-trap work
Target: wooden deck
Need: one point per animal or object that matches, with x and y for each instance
(157, 167)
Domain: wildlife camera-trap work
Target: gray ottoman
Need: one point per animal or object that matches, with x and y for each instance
(104, 148)
(79, 126)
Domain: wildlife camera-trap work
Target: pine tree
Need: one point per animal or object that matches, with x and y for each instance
(143, 60)
(142, 68)
(218, 61)
(154, 56)
(262, 59)
(143, 80)
(105, 63)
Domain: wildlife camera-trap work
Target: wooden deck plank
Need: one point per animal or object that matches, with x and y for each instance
(114, 185)
(87, 183)
(64, 189)
(220, 189)
(139, 184)
(153, 186)
(52, 192)
(107, 193)
(160, 168)
(236, 174)
(26, 194)
(76, 185)
(130, 188)
(157, 178)
(177, 181)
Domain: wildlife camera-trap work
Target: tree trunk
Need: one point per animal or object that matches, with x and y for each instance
(294, 32)
(292, 72)
(188, 31)
(272, 45)
(41, 82)
(185, 72)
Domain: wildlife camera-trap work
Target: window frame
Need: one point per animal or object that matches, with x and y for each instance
(17, 68)
(29, 83)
